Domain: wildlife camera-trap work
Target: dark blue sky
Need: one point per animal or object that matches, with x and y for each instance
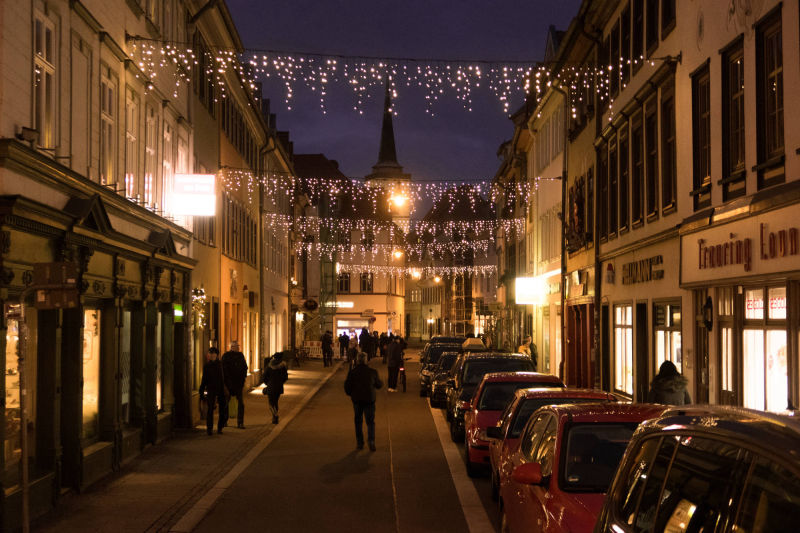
(455, 143)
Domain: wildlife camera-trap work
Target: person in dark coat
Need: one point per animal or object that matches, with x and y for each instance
(364, 340)
(212, 385)
(361, 384)
(383, 342)
(327, 348)
(275, 375)
(344, 341)
(235, 368)
(352, 351)
(394, 356)
(669, 387)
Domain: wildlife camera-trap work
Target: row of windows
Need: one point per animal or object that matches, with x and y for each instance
(239, 231)
(276, 252)
(635, 36)
(549, 140)
(367, 283)
(769, 116)
(237, 131)
(628, 183)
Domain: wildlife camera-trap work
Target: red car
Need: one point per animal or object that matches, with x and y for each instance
(557, 478)
(504, 436)
(491, 398)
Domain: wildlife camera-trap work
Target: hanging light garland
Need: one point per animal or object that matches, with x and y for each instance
(418, 272)
(385, 252)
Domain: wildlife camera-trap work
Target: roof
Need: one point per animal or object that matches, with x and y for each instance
(521, 376)
(564, 393)
(611, 412)
(460, 203)
(316, 166)
(759, 429)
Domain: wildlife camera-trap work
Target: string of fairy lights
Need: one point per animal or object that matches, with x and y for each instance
(320, 73)
(418, 273)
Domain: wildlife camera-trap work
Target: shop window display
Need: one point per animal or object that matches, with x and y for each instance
(12, 444)
(764, 350)
(91, 372)
(668, 334)
(623, 348)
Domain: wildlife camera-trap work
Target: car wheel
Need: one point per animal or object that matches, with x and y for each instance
(454, 432)
(449, 416)
(495, 487)
(422, 392)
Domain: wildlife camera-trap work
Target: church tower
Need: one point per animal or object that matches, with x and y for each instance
(387, 173)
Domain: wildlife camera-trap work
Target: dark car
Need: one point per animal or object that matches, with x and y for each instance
(707, 468)
(428, 361)
(443, 339)
(438, 394)
(468, 373)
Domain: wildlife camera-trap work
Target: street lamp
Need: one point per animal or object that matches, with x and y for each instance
(397, 254)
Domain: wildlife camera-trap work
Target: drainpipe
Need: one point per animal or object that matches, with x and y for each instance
(565, 94)
(265, 150)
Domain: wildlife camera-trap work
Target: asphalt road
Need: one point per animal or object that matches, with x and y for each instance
(312, 478)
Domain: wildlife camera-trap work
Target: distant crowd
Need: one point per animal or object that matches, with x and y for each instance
(373, 344)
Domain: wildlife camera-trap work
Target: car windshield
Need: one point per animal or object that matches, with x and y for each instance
(496, 395)
(593, 453)
(446, 362)
(475, 370)
(448, 340)
(434, 352)
(532, 404)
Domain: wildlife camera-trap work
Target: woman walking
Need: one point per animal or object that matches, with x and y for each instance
(669, 387)
(213, 384)
(275, 375)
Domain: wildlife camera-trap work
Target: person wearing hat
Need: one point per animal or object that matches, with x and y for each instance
(361, 384)
(275, 375)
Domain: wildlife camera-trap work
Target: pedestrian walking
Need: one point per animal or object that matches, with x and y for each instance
(364, 339)
(394, 356)
(528, 348)
(373, 345)
(383, 342)
(361, 384)
(275, 375)
(327, 348)
(669, 386)
(212, 388)
(352, 351)
(234, 369)
(344, 341)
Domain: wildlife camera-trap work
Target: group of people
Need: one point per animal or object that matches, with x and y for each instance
(224, 379)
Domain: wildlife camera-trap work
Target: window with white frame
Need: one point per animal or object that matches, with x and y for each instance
(667, 325)
(131, 145)
(44, 79)
(108, 126)
(168, 166)
(623, 348)
(150, 153)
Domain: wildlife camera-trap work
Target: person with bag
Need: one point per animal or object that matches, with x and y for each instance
(275, 375)
(361, 384)
(234, 367)
(212, 388)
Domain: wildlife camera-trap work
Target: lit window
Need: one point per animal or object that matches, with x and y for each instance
(44, 80)
(623, 348)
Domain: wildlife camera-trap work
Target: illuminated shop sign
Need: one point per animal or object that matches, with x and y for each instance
(643, 270)
(771, 245)
(194, 195)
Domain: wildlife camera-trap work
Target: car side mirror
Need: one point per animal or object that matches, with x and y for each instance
(494, 432)
(528, 474)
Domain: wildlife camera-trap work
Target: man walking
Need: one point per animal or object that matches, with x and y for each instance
(344, 340)
(394, 362)
(234, 367)
(212, 388)
(327, 348)
(361, 384)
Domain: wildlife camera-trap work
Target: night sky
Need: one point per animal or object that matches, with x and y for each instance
(455, 144)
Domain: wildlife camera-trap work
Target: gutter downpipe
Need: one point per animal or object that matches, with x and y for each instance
(565, 94)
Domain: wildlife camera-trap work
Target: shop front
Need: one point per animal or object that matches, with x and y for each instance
(745, 279)
(641, 316)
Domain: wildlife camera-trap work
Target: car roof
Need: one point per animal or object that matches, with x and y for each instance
(539, 392)
(446, 340)
(606, 412)
(779, 431)
(470, 356)
(520, 376)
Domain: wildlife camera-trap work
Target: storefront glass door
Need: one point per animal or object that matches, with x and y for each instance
(91, 372)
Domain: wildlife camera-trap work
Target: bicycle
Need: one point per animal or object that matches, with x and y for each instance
(401, 376)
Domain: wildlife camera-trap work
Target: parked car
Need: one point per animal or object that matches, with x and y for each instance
(490, 399)
(438, 389)
(567, 456)
(445, 339)
(467, 374)
(708, 468)
(428, 361)
(504, 436)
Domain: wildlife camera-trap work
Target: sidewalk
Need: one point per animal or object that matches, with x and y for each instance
(157, 488)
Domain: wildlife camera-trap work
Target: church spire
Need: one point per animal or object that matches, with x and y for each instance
(387, 155)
